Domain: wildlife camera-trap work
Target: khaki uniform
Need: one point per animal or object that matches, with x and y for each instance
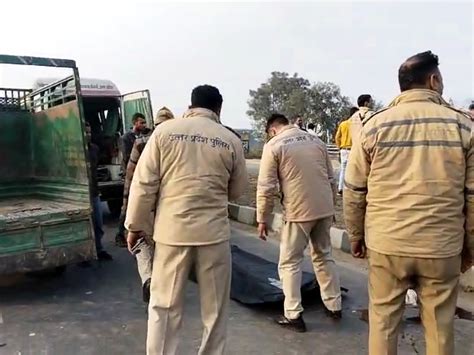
(299, 163)
(147, 249)
(162, 115)
(356, 122)
(188, 171)
(145, 255)
(407, 185)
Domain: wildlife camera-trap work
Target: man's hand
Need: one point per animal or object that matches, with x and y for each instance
(466, 260)
(358, 249)
(132, 239)
(262, 231)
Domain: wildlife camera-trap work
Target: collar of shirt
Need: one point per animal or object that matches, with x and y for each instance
(283, 130)
(201, 112)
(415, 95)
(363, 110)
(286, 128)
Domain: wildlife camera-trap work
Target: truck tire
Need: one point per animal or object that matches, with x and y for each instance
(115, 207)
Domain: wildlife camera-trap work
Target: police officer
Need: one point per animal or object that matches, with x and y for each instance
(145, 251)
(298, 162)
(409, 199)
(365, 103)
(126, 144)
(189, 170)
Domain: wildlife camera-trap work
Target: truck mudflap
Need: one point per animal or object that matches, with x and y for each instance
(47, 258)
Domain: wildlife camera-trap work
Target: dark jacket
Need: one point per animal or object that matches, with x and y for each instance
(126, 145)
(94, 162)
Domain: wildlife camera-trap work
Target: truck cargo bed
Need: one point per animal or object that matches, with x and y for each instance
(38, 233)
(16, 212)
(34, 206)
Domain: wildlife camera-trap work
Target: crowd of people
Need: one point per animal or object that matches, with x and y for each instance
(407, 180)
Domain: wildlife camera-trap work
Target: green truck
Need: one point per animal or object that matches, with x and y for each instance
(45, 209)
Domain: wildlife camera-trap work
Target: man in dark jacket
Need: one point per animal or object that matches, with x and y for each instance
(126, 145)
(127, 140)
(95, 199)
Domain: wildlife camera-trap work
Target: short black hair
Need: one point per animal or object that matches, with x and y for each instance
(415, 70)
(363, 99)
(471, 106)
(136, 116)
(277, 118)
(206, 96)
(87, 124)
(353, 110)
(311, 126)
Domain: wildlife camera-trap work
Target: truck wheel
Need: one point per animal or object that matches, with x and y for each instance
(115, 207)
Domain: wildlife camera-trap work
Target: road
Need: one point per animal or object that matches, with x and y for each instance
(99, 311)
(253, 165)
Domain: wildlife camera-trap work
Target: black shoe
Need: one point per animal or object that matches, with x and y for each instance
(146, 291)
(296, 325)
(104, 256)
(120, 241)
(336, 315)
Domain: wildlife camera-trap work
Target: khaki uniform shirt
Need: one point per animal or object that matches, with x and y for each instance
(299, 163)
(188, 171)
(356, 122)
(137, 150)
(410, 181)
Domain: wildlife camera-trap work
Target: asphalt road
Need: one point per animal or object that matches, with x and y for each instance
(98, 310)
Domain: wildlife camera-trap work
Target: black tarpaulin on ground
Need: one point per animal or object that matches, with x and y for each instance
(256, 281)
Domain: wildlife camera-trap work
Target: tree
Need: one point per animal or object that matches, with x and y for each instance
(281, 93)
(328, 105)
(321, 103)
(378, 105)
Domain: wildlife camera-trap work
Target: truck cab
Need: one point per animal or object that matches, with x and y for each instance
(109, 114)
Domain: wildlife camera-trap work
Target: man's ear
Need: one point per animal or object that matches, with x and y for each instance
(436, 83)
(433, 82)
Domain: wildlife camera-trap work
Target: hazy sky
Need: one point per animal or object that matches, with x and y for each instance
(171, 47)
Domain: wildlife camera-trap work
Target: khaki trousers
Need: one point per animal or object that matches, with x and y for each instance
(435, 282)
(294, 240)
(171, 268)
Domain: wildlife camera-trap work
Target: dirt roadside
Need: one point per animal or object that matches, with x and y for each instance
(249, 199)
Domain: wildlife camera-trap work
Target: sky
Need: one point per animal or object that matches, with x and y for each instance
(171, 47)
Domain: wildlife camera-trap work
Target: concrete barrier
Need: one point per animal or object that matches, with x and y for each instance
(247, 215)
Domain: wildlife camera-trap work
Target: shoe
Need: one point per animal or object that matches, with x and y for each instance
(104, 256)
(336, 315)
(297, 325)
(120, 241)
(146, 291)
